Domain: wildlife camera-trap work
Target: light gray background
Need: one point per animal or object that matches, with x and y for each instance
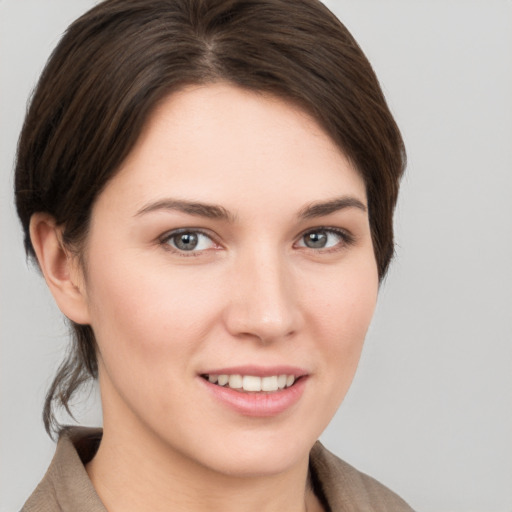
(430, 411)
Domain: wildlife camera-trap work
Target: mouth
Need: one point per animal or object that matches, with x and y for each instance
(256, 391)
(253, 383)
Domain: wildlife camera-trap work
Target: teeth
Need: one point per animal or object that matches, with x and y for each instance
(269, 383)
(235, 381)
(253, 383)
(250, 383)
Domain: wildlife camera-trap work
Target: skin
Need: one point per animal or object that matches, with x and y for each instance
(253, 293)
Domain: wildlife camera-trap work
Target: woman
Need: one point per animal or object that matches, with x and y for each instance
(208, 189)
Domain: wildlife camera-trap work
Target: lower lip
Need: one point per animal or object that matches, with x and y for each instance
(258, 404)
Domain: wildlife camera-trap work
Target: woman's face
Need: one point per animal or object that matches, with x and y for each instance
(233, 244)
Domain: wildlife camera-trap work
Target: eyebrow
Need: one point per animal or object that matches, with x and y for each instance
(320, 209)
(213, 211)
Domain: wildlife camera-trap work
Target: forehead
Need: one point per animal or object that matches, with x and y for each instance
(219, 142)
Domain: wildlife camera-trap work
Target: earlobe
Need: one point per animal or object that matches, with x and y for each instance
(60, 268)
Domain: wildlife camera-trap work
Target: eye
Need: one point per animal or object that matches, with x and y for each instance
(324, 239)
(188, 240)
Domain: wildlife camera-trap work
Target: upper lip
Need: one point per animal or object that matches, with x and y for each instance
(257, 371)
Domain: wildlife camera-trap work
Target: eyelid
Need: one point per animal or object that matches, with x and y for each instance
(164, 240)
(347, 237)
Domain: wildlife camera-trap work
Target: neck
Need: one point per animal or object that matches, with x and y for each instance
(136, 471)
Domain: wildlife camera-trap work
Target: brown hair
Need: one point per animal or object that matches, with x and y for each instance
(116, 62)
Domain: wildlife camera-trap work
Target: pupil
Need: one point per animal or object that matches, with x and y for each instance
(316, 240)
(186, 241)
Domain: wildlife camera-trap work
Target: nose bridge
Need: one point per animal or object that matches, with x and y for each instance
(263, 303)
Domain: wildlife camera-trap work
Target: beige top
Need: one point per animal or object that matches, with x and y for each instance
(66, 486)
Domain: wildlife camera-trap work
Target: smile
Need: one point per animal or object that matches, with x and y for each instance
(252, 383)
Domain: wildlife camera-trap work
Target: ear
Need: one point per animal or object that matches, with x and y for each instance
(60, 268)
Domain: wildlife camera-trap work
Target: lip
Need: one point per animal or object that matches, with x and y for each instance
(258, 371)
(260, 404)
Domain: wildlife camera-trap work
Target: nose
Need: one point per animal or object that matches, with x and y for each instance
(263, 301)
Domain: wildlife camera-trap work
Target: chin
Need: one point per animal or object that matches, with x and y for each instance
(254, 453)
(259, 462)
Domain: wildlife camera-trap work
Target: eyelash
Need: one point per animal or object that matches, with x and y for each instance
(165, 241)
(346, 239)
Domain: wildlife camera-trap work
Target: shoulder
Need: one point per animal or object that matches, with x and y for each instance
(345, 488)
(66, 485)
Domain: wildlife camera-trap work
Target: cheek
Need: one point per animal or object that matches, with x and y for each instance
(342, 313)
(141, 314)
(148, 333)
(344, 302)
